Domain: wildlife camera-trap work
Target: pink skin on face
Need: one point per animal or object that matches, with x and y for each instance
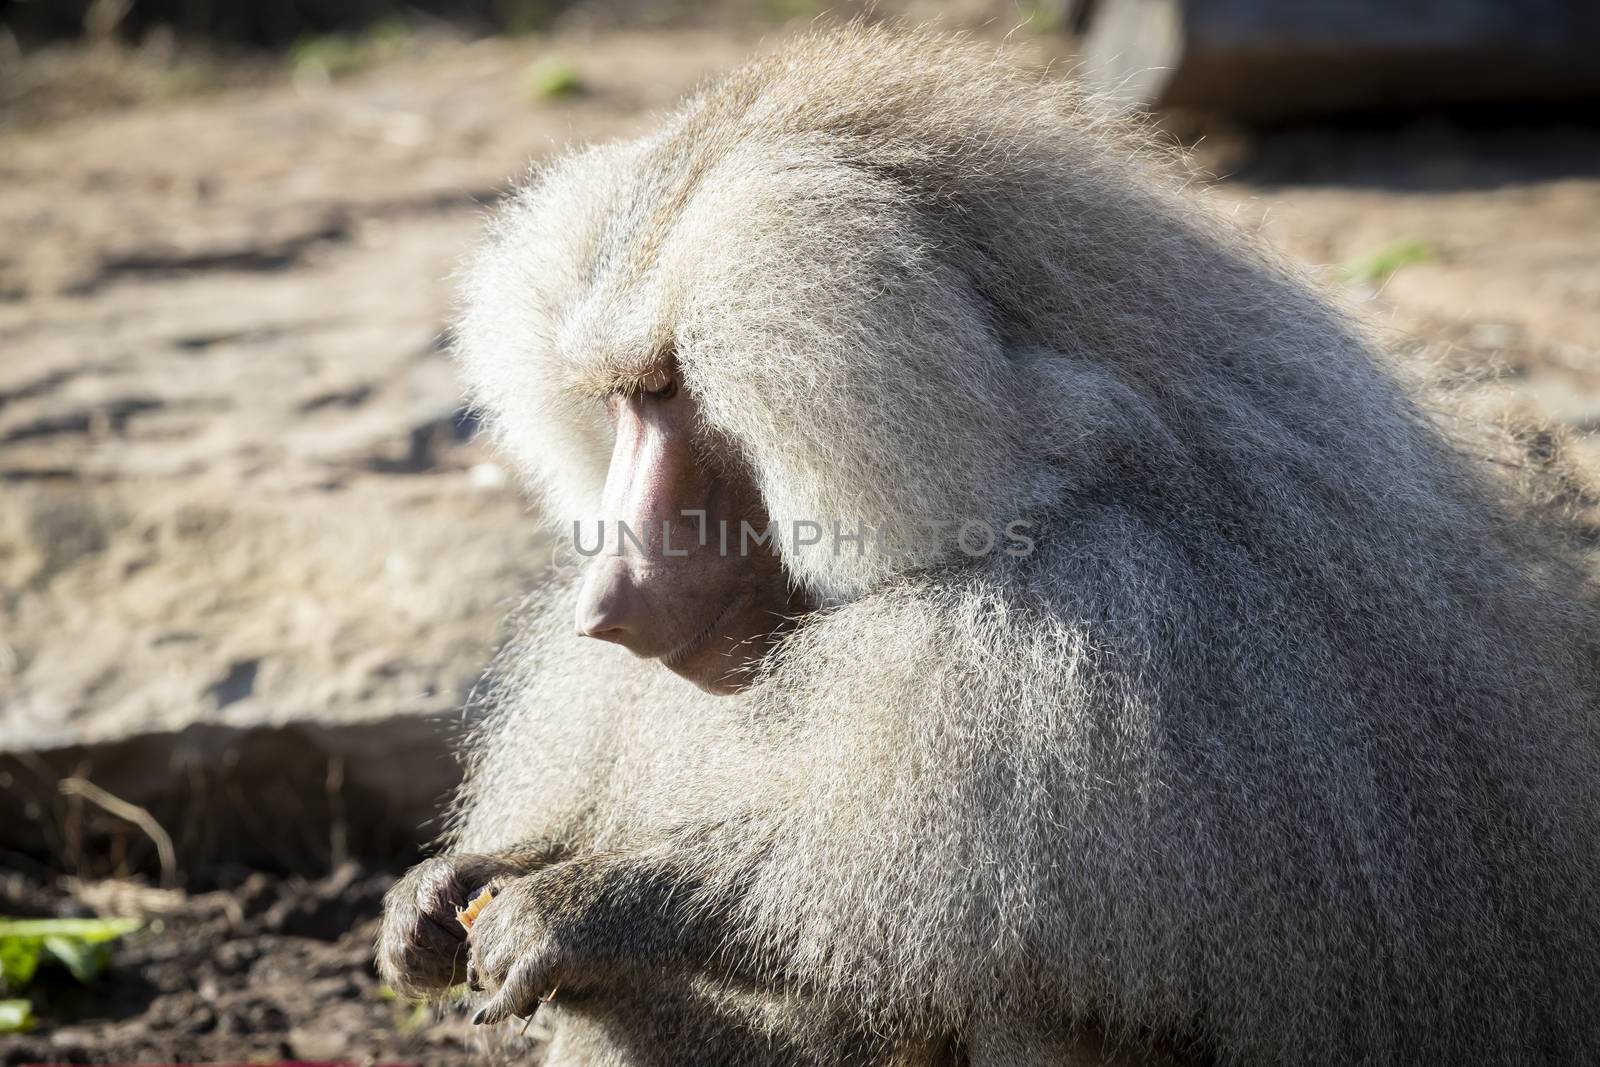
(707, 614)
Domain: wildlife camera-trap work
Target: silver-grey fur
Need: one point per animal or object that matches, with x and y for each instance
(1280, 749)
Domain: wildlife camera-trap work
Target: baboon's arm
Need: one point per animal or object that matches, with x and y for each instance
(602, 921)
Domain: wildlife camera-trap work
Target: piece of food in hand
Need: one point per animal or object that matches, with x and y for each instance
(465, 916)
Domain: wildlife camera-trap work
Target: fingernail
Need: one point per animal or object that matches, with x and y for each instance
(481, 1015)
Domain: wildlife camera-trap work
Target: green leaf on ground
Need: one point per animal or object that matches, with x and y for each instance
(19, 958)
(553, 78)
(85, 959)
(16, 1016)
(1378, 265)
(82, 946)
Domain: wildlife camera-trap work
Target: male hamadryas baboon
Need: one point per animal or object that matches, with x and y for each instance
(1267, 739)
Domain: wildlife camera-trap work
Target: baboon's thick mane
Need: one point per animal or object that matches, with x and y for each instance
(1283, 738)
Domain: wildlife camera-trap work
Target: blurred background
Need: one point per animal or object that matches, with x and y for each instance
(253, 557)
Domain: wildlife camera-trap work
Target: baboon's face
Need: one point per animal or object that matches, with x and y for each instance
(680, 579)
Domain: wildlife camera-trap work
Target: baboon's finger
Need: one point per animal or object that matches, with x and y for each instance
(521, 993)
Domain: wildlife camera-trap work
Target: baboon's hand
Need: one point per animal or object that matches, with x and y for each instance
(517, 956)
(577, 927)
(422, 948)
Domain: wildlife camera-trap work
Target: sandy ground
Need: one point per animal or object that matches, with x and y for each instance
(237, 480)
(236, 486)
(236, 477)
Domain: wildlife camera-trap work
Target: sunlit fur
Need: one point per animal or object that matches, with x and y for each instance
(1280, 748)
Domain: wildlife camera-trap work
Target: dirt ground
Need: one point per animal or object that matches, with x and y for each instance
(236, 485)
(272, 969)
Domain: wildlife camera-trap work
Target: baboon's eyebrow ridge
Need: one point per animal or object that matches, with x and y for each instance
(610, 375)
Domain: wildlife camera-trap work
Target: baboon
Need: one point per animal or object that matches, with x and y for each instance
(1266, 739)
